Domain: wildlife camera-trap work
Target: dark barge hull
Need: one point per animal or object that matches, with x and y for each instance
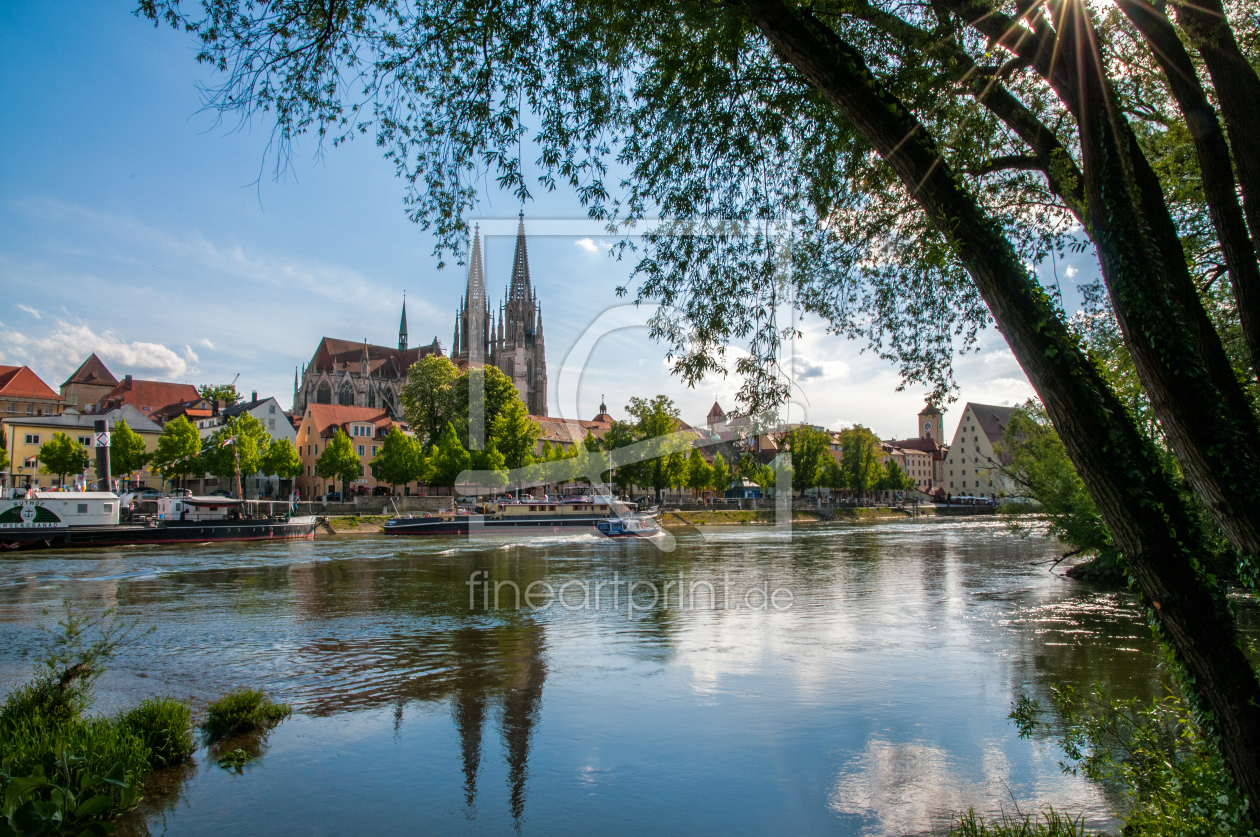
(476, 524)
(168, 532)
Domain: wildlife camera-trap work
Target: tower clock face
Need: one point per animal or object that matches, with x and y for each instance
(927, 425)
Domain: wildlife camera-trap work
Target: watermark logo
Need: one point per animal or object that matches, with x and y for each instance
(633, 596)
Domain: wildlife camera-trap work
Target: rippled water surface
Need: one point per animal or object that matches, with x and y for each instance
(871, 700)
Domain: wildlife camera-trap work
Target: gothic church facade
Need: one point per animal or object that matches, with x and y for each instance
(358, 374)
(512, 340)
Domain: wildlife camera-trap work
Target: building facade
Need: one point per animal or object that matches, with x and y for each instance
(23, 436)
(367, 428)
(975, 457)
(23, 393)
(349, 374)
(512, 341)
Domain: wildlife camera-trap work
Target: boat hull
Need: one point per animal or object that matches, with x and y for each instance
(474, 524)
(167, 532)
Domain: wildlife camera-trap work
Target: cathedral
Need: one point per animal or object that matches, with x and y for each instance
(512, 340)
(358, 374)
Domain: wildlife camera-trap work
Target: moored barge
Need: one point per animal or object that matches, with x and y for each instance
(534, 516)
(81, 519)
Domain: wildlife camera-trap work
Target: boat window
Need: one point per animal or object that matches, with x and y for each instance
(82, 508)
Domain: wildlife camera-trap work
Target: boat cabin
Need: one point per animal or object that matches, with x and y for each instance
(196, 508)
(59, 509)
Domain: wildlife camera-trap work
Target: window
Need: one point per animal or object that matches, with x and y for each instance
(82, 508)
(32, 438)
(108, 508)
(12, 407)
(86, 441)
(271, 410)
(375, 448)
(271, 424)
(360, 450)
(308, 470)
(323, 394)
(345, 395)
(30, 409)
(29, 462)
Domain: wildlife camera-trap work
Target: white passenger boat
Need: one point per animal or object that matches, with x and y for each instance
(632, 526)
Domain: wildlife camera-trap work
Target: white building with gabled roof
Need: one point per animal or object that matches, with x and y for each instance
(973, 465)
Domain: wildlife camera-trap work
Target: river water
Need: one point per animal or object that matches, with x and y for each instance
(848, 679)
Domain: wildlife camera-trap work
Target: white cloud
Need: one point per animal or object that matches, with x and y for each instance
(592, 246)
(32, 311)
(1071, 271)
(59, 352)
(806, 369)
(205, 344)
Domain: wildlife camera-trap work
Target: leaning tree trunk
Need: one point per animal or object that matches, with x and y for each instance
(1237, 89)
(1119, 467)
(1219, 187)
(1176, 351)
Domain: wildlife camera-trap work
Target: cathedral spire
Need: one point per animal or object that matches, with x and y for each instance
(520, 266)
(476, 297)
(402, 326)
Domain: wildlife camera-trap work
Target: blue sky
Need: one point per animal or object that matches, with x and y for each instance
(133, 225)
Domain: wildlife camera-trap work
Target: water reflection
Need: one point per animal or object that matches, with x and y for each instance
(875, 704)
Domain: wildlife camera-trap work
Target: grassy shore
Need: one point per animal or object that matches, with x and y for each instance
(366, 524)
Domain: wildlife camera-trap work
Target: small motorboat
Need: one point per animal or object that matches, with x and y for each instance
(634, 526)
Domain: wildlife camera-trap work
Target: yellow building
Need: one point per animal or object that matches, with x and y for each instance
(24, 434)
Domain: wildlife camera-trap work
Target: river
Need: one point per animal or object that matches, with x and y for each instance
(848, 679)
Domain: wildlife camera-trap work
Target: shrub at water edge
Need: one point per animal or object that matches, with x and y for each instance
(244, 710)
(165, 727)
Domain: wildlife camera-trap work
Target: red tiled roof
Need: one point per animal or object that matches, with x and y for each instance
(328, 418)
(21, 382)
(148, 396)
(92, 371)
(385, 361)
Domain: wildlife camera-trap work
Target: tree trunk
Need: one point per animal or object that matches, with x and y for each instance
(1177, 353)
(1237, 89)
(1141, 508)
(1212, 151)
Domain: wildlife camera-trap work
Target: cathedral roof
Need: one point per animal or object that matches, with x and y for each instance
(333, 355)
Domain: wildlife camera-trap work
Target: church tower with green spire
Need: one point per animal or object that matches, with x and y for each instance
(402, 327)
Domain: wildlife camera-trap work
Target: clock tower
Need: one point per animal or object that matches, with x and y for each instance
(932, 424)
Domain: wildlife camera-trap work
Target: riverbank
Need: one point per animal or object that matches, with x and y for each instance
(367, 524)
(725, 517)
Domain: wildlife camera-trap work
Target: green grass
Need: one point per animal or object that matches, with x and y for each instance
(244, 710)
(1047, 823)
(165, 727)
